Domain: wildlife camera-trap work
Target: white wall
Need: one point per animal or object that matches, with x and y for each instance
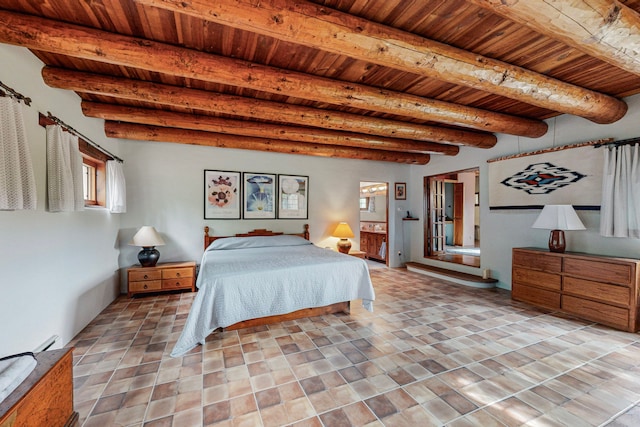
(500, 231)
(59, 270)
(165, 189)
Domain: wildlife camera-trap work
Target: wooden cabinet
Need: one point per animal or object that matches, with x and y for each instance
(163, 277)
(597, 288)
(45, 397)
(370, 244)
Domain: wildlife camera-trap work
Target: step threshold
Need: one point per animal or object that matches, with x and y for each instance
(453, 276)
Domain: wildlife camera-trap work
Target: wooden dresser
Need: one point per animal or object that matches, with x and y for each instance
(45, 397)
(163, 277)
(597, 288)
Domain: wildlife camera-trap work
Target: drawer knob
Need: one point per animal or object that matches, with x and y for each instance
(146, 277)
(178, 274)
(145, 286)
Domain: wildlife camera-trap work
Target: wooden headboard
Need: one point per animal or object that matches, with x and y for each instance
(257, 232)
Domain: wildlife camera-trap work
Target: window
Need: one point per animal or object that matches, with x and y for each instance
(94, 169)
(93, 175)
(364, 203)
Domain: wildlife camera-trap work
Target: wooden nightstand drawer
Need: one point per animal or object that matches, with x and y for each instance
(177, 273)
(145, 286)
(163, 277)
(177, 283)
(144, 274)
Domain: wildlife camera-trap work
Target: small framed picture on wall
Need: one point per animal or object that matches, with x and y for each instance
(401, 191)
(221, 194)
(259, 195)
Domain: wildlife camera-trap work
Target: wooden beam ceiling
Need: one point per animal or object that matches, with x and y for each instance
(81, 42)
(321, 28)
(146, 116)
(605, 29)
(164, 134)
(247, 107)
(392, 80)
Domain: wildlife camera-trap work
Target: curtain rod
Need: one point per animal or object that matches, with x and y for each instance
(12, 93)
(621, 142)
(78, 134)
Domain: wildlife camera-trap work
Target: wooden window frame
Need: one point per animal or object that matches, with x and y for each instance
(93, 157)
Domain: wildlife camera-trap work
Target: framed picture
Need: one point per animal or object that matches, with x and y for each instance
(259, 195)
(221, 194)
(293, 197)
(401, 191)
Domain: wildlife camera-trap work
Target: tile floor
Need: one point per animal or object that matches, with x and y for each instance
(433, 353)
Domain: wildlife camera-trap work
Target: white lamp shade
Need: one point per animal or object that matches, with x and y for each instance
(558, 217)
(343, 231)
(147, 236)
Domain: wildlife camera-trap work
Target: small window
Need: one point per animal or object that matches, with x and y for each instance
(364, 203)
(93, 178)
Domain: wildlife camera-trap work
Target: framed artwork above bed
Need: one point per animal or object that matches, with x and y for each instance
(293, 197)
(222, 195)
(259, 191)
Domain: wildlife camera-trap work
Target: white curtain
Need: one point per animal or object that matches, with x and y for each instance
(116, 188)
(17, 182)
(64, 171)
(620, 209)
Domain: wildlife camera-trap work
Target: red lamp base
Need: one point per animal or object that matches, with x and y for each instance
(344, 245)
(556, 241)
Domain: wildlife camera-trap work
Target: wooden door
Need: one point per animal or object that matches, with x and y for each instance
(458, 213)
(436, 217)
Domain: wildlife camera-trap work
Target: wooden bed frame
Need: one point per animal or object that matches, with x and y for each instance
(340, 307)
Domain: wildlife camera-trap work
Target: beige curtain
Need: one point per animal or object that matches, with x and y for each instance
(17, 181)
(116, 188)
(64, 171)
(620, 208)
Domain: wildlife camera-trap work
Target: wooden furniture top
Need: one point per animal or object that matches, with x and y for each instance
(257, 232)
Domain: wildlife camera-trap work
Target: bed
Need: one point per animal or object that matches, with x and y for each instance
(262, 277)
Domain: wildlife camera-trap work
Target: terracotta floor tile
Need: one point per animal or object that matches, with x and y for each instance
(432, 353)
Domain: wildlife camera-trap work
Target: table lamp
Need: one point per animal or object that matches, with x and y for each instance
(558, 218)
(343, 232)
(148, 238)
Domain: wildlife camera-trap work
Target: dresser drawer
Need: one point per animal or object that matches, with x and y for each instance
(608, 272)
(536, 296)
(537, 261)
(596, 311)
(537, 278)
(182, 283)
(140, 275)
(145, 286)
(177, 273)
(612, 294)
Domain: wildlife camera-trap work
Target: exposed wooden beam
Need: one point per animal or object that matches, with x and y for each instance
(210, 139)
(81, 42)
(326, 29)
(259, 130)
(257, 109)
(605, 29)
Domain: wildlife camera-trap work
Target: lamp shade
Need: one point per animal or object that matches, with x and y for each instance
(343, 231)
(147, 236)
(558, 217)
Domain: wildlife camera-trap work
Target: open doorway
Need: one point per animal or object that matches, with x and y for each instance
(374, 214)
(452, 212)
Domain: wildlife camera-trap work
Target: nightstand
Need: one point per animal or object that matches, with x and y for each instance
(168, 276)
(357, 254)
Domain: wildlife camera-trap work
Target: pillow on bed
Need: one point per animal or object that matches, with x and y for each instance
(256, 242)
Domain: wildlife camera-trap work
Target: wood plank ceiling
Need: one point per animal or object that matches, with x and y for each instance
(391, 80)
